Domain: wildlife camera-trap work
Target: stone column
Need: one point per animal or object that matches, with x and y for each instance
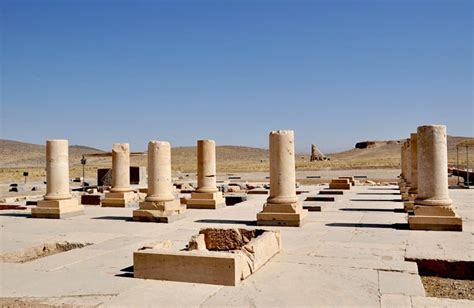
(401, 182)
(57, 170)
(414, 164)
(120, 168)
(405, 195)
(313, 153)
(432, 210)
(282, 207)
(206, 157)
(121, 194)
(58, 202)
(161, 204)
(207, 196)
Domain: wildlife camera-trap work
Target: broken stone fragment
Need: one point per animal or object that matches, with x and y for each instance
(197, 242)
(163, 245)
(227, 239)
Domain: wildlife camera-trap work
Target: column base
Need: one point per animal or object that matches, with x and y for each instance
(115, 199)
(289, 215)
(435, 223)
(160, 211)
(211, 201)
(57, 209)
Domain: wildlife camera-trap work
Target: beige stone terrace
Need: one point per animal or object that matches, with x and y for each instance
(350, 254)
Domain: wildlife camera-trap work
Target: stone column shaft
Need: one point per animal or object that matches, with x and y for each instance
(57, 170)
(414, 164)
(206, 159)
(159, 172)
(121, 168)
(282, 167)
(432, 166)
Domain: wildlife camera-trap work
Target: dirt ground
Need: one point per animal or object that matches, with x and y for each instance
(448, 288)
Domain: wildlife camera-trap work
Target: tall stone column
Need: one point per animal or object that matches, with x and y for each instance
(207, 196)
(282, 207)
(58, 202)
(121, 194)
(432, 209)
(206, 157)
(161, 204)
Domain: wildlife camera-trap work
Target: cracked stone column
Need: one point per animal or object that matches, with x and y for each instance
(207, 196)
(58, 201)
(282, 207)
(121, 194)
(161, 203)
(433, 206)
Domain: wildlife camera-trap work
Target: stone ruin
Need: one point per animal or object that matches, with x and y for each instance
(316, 154)
(214, 256)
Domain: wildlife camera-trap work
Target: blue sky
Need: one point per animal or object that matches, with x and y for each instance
(337, 72)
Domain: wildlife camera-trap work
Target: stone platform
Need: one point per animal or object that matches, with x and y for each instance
(352, 253)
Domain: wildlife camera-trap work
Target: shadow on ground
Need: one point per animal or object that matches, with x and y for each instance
(126, 218)
(378, 200)
(372, 210)
(228, 221)
(397, 226)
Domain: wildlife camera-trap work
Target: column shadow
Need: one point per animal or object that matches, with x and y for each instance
(397, 226)
(228, 221)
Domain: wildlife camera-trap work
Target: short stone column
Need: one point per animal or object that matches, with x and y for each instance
(161, 203)
(282, 207)
(405, 194)
(401, 181)
(207, 196)
(432, 209)
(58, 202)
(121, 194)
(412, 191)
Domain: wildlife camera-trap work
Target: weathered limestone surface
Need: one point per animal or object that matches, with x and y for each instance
(207, 195)
(282, 207)
(58, 202)
(432, 209)
(161, 204)
(121, 194)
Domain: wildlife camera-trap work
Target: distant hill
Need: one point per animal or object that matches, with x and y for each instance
(21, 154)
(377, 154)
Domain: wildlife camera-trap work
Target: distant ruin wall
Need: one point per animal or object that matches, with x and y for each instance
(373, 144)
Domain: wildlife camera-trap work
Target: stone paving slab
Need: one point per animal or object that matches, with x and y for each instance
(339, 257)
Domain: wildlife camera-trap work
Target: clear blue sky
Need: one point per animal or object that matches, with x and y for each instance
(337, 72)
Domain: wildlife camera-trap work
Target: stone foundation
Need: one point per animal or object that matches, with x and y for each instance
(160, 211)
(57, 209)
(214, 256)
(206, 201)
(119, 199)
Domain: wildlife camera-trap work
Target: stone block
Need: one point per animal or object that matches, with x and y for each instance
(345, 186)
(160, 211)
(202, 265)
(331, 192)
(90, 199)
(206, 201)
(57, 209)
(290, 215)
(435, 223)
(258, 192)
(119, 199)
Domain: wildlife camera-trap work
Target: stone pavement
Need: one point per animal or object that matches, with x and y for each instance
(352, 253)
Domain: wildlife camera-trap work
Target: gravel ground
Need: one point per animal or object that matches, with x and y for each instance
(448, 288)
